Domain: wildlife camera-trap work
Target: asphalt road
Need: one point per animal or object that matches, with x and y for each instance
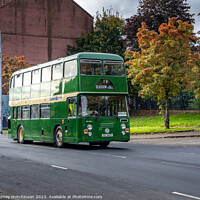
(154, 169)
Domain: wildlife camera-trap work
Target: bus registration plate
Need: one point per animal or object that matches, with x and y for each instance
(107, 135)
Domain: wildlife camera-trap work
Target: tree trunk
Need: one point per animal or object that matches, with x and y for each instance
(165, 113)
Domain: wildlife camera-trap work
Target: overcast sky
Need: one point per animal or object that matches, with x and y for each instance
(127, 8)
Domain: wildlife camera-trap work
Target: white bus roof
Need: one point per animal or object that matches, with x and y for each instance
(89, 55)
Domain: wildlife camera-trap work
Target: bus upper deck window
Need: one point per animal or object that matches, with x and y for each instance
(12, 82)
(27, 79)
(36, 76)
(114, 68)
(70, 68)
(18, 80)
(57, 71)
(46, 74)
(90, 67)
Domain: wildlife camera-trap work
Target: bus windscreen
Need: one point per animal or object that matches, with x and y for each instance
(102, 106)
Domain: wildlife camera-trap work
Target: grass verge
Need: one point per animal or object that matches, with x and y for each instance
(154, 124)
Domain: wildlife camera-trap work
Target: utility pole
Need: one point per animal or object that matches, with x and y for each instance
(0, 87)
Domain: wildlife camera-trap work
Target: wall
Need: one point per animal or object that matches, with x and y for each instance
(41, 29)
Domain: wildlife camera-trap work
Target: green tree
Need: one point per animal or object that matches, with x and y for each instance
(10, 65)
(162, 67)
(195, 75)
(106, 36)
(154, 13)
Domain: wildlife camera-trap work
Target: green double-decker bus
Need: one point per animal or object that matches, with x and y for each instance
(79, 98)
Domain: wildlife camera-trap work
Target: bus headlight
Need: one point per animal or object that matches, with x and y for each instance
(89, 127)
(123, 126)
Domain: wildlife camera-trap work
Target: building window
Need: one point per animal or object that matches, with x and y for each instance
(46, 74)
(45, 111)
(34, 111)
(57, 71)
(25, 112)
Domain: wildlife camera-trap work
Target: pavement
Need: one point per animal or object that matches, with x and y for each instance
(154, 135)
(166, 135)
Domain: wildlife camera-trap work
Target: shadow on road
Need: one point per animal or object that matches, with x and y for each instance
(80, 146)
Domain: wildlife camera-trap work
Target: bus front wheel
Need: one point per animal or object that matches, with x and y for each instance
(58, 137)
(20, 135)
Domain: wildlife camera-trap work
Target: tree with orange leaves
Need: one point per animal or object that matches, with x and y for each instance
(10, 65)
(163, 66)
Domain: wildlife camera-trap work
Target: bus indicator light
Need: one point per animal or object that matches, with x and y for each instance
(127, 130)
(63, 121)
(85, 131)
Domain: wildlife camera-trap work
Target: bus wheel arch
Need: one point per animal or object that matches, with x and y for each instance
(20, 134)
(58, 136)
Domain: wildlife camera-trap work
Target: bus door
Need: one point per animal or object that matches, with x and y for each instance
(72, 122)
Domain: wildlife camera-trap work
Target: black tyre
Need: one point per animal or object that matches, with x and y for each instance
(93, 143)
(58, 137)
(104, 144)
(20, 135)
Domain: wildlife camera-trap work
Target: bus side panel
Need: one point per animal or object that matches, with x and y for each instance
(70, 84)
(71, 135)
(59, 117)
(59, 110)
(36, 133)
(46, 130)
(56, 87)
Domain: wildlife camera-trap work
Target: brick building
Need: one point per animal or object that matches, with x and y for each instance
(41, 29)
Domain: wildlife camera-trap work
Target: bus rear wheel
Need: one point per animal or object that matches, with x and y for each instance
(20, 135)
(58, 137)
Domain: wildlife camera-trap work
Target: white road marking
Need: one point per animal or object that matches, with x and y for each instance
(186, 195)
(176, 164)
(4, 142)
(59, 167)
(110, 155)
